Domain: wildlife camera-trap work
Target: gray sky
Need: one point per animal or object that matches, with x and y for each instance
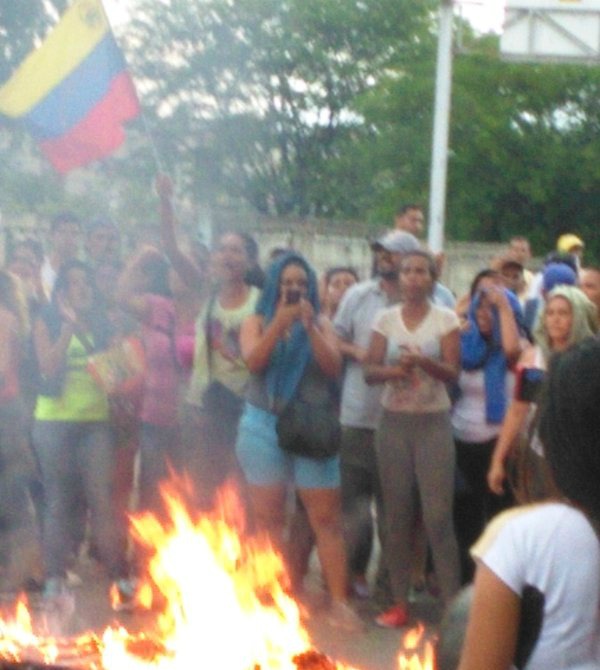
(485, 15)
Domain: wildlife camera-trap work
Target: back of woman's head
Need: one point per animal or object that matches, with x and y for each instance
(569, 424)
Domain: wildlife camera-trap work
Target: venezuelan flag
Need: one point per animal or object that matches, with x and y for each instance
(74, 93)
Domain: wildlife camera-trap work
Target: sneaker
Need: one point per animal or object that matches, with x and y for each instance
(395, 617)
(342, 616)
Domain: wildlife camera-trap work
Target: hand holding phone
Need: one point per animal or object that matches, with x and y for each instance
(292, 296)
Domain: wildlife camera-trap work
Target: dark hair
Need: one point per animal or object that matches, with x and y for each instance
(482, 274)
(254, 275)
(96, 318)
(250, 244)
(422, 253)
(63, 217)
(34, 246)
(569, 424)
(62, 278)
(405, 208)
(99, 223)
(330, 274)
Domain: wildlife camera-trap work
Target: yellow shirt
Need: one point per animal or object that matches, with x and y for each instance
(81, 399)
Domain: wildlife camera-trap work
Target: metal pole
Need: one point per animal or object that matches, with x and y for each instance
(441, 123)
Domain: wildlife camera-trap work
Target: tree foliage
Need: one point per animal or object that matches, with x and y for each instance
(325, 108)
(260, 92)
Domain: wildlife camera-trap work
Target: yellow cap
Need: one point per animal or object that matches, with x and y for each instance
(567, 242)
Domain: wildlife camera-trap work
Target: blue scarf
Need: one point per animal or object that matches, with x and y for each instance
(478, 352)
(291, 356)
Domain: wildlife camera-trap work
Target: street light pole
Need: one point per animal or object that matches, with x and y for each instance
(441, 124)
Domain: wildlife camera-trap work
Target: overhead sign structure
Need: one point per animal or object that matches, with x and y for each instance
(552, 30)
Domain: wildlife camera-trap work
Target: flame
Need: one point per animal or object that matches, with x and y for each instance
(220, 600)
(417, 652)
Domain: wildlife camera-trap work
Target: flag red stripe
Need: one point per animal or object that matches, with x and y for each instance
(100, 132)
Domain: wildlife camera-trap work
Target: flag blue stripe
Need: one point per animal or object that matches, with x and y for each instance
(70, 102)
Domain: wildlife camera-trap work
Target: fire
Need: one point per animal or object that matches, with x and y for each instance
(220, 601)
(417, 652)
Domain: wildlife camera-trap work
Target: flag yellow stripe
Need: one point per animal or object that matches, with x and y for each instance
(82, 26)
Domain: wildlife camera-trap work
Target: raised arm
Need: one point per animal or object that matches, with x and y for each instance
(187, 270)
(509, 331)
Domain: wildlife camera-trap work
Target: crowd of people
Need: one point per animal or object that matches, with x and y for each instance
(427, 395)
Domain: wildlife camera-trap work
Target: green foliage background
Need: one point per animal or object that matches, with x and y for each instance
(323, 108)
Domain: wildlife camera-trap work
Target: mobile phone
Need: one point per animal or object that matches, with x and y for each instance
(529, 384)
(292, 296)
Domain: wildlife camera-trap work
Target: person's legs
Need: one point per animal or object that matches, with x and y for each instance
(324, 510)
(18, 526)
(301, 541)
(96, 463)
(357, 490)
(266, 468)
(268, 507)
(54, 443)
(435, 465)
(395, 460)
(472, 461)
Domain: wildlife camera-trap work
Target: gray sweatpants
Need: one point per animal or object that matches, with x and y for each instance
(415, 455)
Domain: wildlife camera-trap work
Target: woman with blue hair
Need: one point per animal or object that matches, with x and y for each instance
(290, 349)
(491, 342)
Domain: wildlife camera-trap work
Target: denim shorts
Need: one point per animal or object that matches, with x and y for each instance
(265, 464)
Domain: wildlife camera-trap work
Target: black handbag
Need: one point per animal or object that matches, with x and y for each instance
(309, 424)
(219, 401)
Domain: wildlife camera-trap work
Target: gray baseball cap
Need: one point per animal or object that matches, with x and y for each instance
(397, 241)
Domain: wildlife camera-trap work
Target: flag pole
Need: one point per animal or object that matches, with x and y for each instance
(156, 156)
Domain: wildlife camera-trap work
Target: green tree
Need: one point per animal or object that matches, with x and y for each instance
(254, 98)
(523, 145)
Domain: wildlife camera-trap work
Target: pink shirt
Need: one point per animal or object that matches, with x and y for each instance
(160, 401)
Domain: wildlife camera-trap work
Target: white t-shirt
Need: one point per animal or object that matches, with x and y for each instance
(469, 422)
(421, 393)
(553, 548)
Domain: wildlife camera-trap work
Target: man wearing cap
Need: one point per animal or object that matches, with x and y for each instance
(360, 406)
(570, 244)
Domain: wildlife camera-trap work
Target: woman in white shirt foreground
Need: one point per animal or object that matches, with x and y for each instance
(536, 601)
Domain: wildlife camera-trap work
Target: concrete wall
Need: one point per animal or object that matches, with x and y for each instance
(463, 259)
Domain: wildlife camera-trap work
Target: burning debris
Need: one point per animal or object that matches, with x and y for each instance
(218, 601)
(417, 651)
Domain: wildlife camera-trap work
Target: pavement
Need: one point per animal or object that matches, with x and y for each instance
(374, 649)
